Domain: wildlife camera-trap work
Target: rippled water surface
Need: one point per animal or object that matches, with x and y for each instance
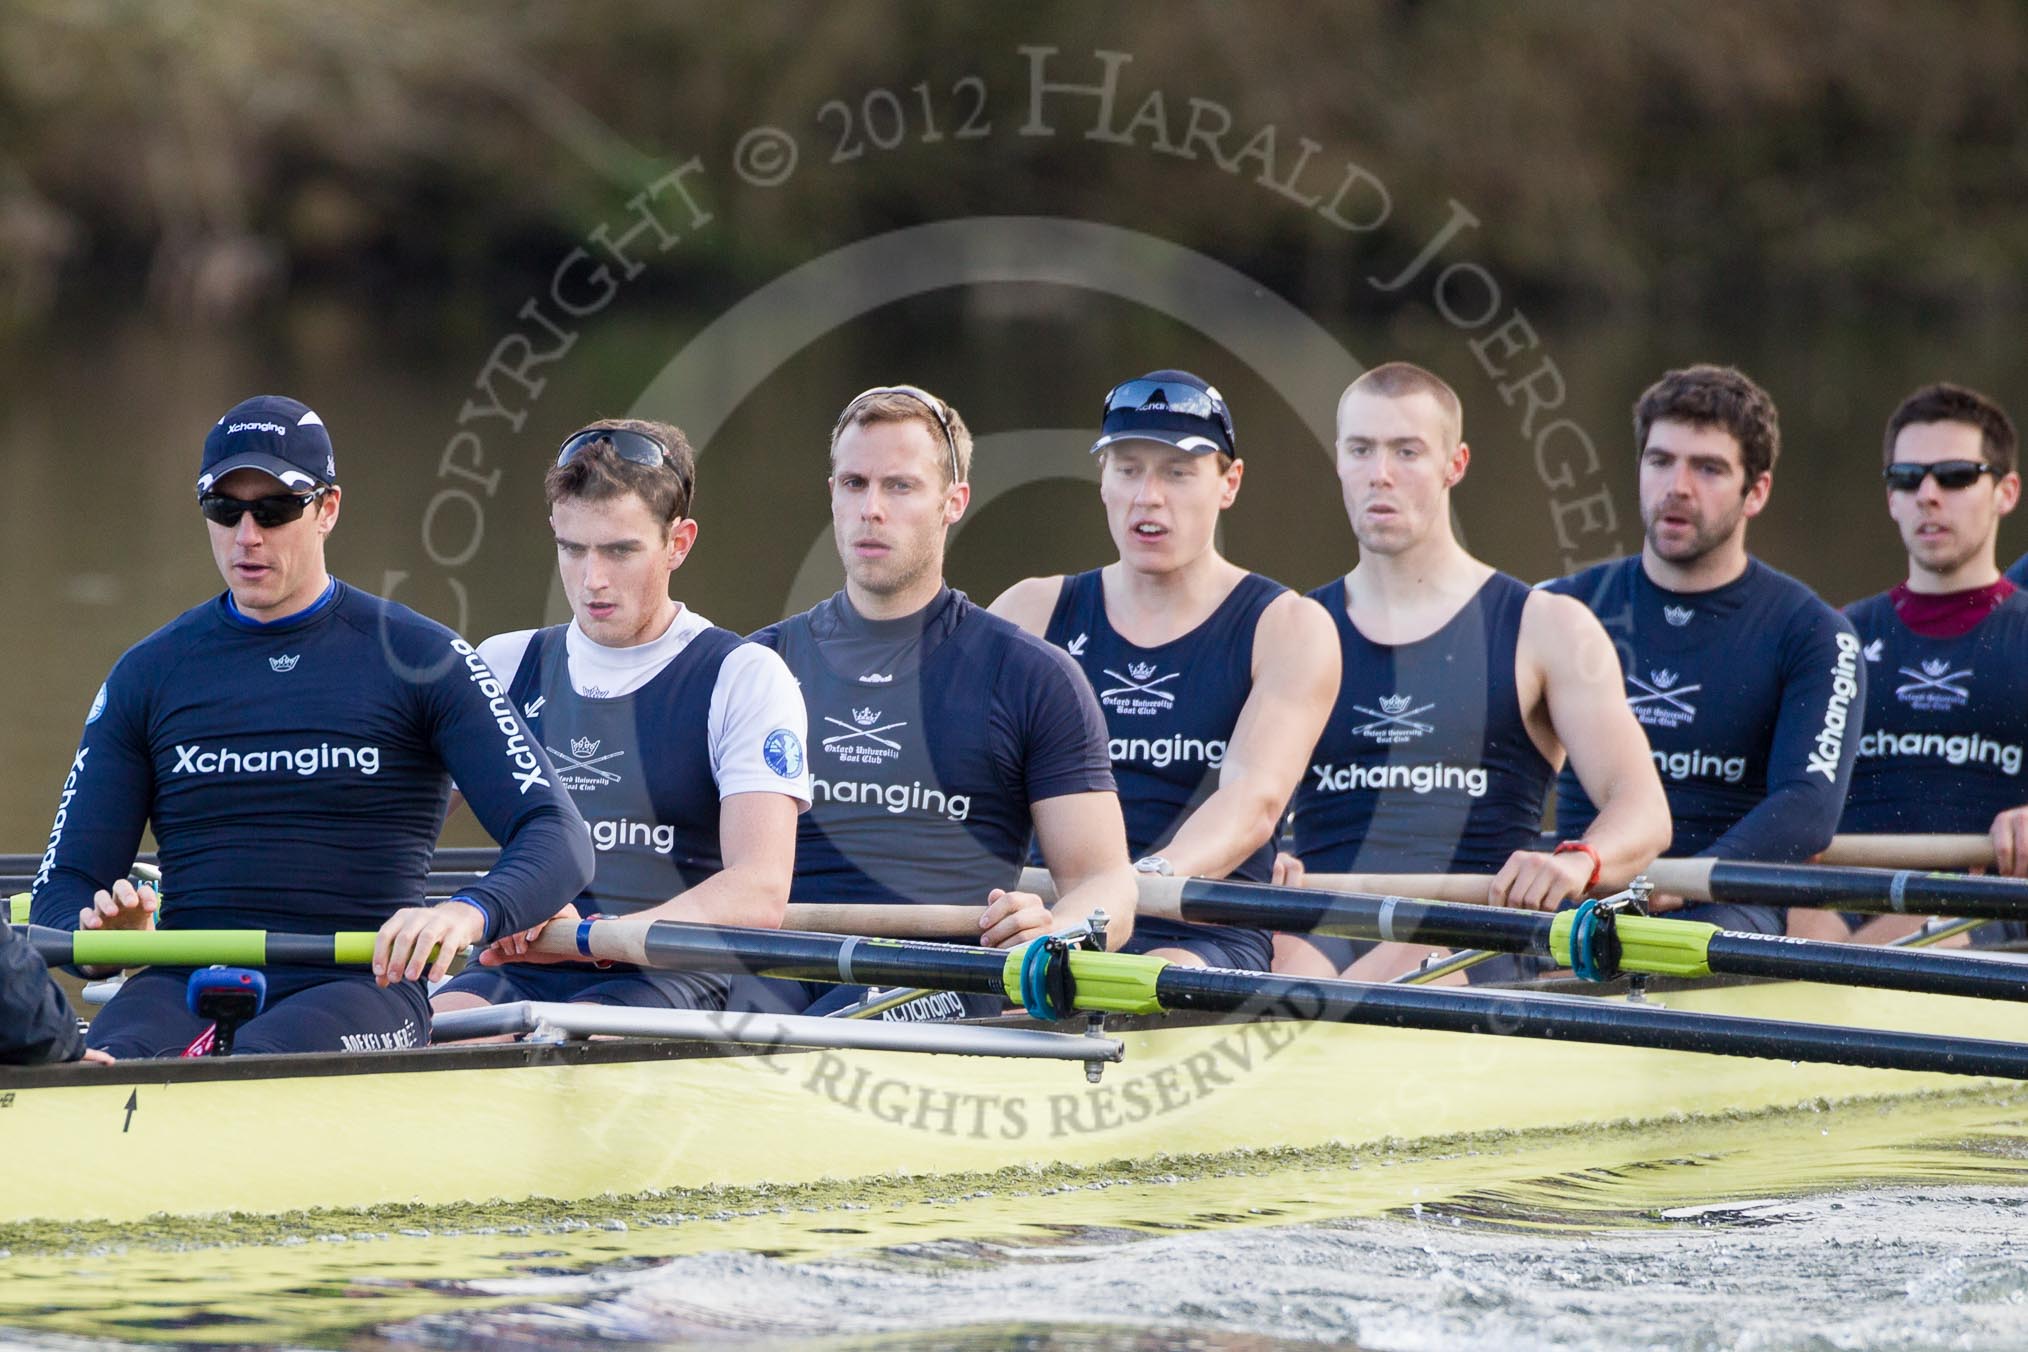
(1867, 1225)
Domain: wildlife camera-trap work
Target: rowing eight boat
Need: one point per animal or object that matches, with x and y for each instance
(468, 1125)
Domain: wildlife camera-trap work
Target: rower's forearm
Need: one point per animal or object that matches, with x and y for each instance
(1112, 891)
(1628, 837)
(546, 861)
(753, 898)
(1223, 832)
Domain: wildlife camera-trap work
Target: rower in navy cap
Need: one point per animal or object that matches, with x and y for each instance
(291, 742)
(1215, 681)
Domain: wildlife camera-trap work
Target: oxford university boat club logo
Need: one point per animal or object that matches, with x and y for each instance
(1934, 686)
(1398, 720)
(1677, 616)
(1661, 701)
(1139, 691)
(584, 770)
(865, 739)
(285, 663)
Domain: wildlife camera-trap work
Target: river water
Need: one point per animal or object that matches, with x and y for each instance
(1890, 1224)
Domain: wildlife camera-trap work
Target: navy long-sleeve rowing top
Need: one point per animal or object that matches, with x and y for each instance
(35, 1021)
(1946, 724)
(1752, 695)
(296, 774)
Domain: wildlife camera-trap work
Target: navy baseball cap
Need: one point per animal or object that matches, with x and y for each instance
(273, 433)
(1174, 407)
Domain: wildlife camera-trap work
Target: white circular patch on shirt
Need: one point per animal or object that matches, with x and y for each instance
(783, 751)
(98, 706)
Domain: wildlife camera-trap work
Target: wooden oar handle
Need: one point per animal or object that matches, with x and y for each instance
(1467, 888)
(1159, 897)
(1687, 878)
(1945, 852)
(619, 939)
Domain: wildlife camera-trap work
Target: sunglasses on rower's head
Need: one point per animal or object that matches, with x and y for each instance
(938, 410)
(634, 447)
(1175, 396)
(1906, 476)
(269, 512)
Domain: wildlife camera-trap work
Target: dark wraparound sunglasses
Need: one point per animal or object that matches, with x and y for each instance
(936, 406)
(629, 446)
(269, 512)
(1905, 476)
(1171, 396)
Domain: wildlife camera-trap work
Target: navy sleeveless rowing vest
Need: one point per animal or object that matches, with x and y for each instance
(637, 766)
(1170, 710)
(1426, 764)
(1946, 722)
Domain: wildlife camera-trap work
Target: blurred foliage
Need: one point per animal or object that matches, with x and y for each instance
(1662, 155)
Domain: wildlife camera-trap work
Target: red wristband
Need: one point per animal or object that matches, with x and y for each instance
(1597, 864)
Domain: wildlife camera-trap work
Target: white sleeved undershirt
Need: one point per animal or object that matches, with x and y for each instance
(754, 700)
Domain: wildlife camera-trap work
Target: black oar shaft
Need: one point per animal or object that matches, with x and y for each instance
(822, 957)
(1259, 995)
(1925, 970)
(1883, 891)
(1601, 1021)
(1451, 925)
(1360, 915)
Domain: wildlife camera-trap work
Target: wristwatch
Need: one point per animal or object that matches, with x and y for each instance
(1154, 863)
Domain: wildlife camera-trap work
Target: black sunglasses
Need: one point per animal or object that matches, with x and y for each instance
(1906, 476)
(938, 410)
(1173, 396)
(269, 512)
(633, 447)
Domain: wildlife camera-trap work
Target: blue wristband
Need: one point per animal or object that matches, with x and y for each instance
(485, 916)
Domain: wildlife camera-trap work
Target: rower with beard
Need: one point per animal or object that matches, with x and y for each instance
(1215, 681)
(944, 738)
(680, 742)
(1946, 651)
(1462, 692)
(1751, 688)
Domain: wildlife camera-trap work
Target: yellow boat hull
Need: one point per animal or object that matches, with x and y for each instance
(460, 1126)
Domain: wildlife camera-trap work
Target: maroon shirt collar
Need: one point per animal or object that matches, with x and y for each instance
(1948, 614)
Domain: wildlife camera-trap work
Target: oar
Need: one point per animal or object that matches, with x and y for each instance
(258, 948)
(1851, 889)
(1651, 944)
(1927, 852)
(1655, 945)
(199, 948)
(1873, 890)
(1059, 983)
